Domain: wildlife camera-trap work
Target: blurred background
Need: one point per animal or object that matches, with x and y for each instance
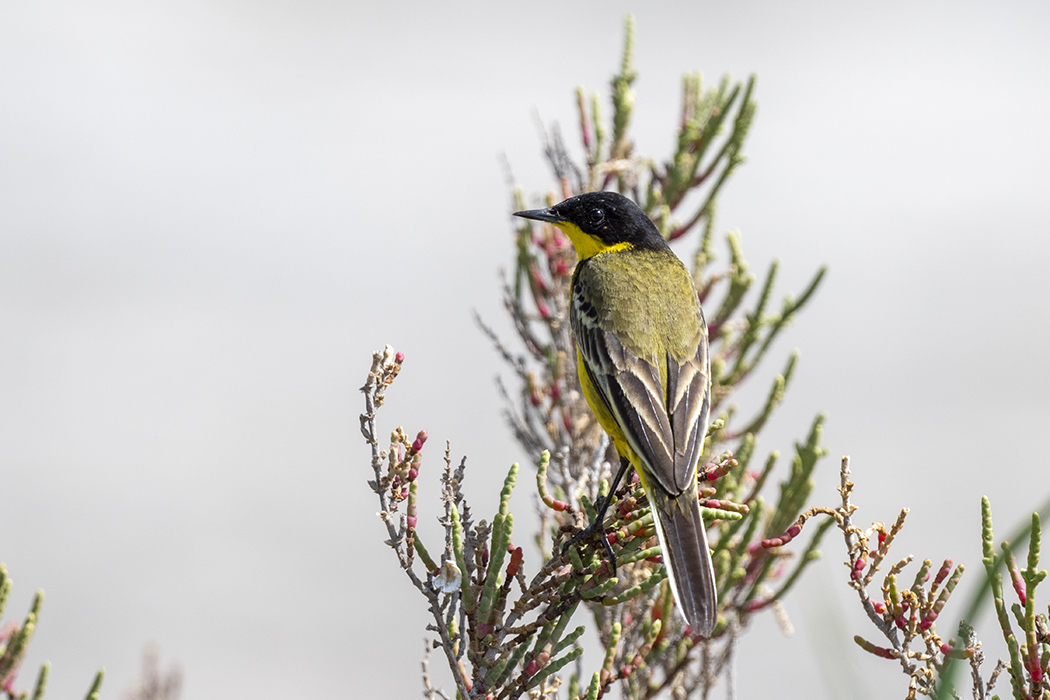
(211, 213)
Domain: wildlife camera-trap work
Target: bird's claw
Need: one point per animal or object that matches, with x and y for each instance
(595, 528)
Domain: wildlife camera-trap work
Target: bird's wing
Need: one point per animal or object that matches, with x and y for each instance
(666, 432)
(689, 399)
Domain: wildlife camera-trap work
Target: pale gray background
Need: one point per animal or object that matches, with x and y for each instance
(212, 212)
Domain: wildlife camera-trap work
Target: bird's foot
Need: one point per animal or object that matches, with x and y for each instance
(595, 528)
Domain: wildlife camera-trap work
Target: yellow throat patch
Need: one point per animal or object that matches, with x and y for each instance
(586, 245)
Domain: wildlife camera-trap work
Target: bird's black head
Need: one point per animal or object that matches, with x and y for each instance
(598, 222)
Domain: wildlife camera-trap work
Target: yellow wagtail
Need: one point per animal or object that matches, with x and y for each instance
(642, 356)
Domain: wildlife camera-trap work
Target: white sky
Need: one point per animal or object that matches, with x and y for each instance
(212, 212)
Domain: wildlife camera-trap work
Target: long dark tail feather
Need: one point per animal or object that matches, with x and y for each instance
(688, 560)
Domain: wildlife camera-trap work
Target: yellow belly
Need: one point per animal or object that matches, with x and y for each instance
(605, 419)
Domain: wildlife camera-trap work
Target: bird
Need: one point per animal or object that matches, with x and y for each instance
(644, 369)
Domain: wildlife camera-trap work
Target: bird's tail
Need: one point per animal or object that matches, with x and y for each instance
(687, 558)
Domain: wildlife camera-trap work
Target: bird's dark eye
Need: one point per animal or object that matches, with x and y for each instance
(597, 216)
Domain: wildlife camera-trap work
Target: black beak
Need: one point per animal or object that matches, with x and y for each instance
(541, 215)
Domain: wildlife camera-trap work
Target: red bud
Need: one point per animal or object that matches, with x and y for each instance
(515, 561)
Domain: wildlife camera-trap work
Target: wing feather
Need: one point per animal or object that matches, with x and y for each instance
(690, 402)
